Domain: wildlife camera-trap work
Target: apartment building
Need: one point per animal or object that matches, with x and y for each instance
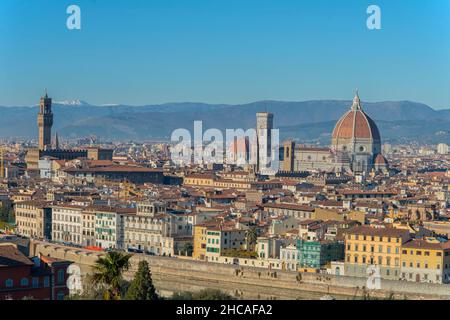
(199, 252)
(34, 219)
(67, 224)
(221, 238)
(154, 230)
(378, 246)
(110, 226)
(201, 239)
(426, 260)
(297, 211)
(289, 257)
(316, 254)
(143, 230)
(88, 228)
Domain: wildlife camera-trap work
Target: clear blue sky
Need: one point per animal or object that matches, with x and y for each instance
(224, 51)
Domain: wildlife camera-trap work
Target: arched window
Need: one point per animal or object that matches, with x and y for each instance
(24, 282)
(9, 283)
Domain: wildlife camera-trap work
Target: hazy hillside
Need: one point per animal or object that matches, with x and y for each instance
(308, 120)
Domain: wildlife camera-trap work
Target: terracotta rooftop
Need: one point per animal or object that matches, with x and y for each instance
(10, 256)
(380, 232)
(289, 206)
(114, 169)
(356, 124)
(426, 244)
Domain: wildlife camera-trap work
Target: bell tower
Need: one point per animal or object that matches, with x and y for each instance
(45, 122)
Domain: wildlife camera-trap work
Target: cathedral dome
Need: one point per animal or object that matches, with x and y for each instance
(356, 124)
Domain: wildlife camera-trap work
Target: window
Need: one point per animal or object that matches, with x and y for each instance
(24, 282)
(60, 276)
(60, 295)
(35, 282)
(9, 283)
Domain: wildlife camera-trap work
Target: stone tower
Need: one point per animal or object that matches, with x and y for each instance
(264, 126)
(45, 122)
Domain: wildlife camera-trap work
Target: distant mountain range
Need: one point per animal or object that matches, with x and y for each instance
(307, 121)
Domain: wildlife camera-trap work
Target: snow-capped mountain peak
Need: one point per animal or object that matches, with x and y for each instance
(75, 102)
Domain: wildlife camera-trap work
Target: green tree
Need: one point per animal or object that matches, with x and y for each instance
(188, 248)
(141, 287)
(7, 214)
(108, 271)
(251, 237)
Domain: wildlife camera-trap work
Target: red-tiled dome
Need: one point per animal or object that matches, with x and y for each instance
(356, 124)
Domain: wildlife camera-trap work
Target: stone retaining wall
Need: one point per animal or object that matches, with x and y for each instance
(174, 274)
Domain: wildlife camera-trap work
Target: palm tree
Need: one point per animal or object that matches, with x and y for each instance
(108, 271)
(251, 238)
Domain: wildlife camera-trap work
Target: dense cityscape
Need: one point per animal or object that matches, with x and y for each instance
(356, 219)
(224, 159)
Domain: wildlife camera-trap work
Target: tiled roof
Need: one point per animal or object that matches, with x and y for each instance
(356, 124)
(10, 256)
(289, 206)
(381, 232)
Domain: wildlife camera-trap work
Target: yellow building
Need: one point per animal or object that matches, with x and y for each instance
(426, 260)
(211, 239)
(199, 252)
(34, 219)
(377, 246)
(200, 180)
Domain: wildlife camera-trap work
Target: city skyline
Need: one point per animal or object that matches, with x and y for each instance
(224, 52)
(249, 152)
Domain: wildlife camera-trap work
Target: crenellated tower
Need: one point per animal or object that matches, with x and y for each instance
(45, 122)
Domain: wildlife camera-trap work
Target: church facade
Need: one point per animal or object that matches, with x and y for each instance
(355, 147)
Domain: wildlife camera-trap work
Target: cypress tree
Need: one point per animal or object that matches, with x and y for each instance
(141, 287)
